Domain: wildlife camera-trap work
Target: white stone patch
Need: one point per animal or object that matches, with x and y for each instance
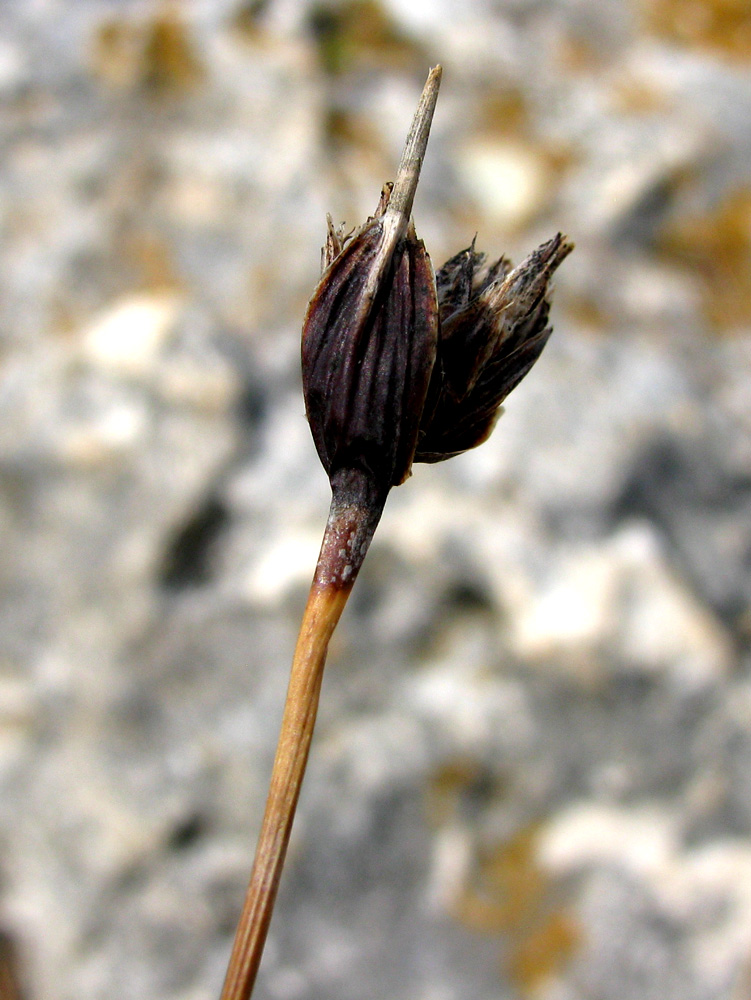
(416, 521)
(207, 386)
(574, 609)
(622, 595)
(720, 873)
(450, 866)
(589, 834)
(13, 66)
(118, 428)
(287, 984)
(469, 705)
(287, 563)
(128, 336)
(709, 887)
(507, 179)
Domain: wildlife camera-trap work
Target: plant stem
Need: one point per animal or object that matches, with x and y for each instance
(396, 217)
(356, 508)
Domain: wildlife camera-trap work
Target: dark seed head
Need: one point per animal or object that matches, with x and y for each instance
(493, 327)
(366, 371)
(400, 365)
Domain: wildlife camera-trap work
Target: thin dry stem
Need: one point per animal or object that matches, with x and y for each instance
(325, 605)
(403, 193)
(355, 512)
(396, 217)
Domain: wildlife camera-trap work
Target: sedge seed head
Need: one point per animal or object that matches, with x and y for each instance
(493, 325)
(366, 371)
(401, 364)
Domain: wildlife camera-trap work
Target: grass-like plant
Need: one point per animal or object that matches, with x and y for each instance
(400, 365)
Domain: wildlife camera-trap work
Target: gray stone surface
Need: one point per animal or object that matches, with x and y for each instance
(530, 776)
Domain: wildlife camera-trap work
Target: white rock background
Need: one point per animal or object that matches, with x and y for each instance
(531, 774)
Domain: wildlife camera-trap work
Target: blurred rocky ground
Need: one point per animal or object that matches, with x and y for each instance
(531, 774)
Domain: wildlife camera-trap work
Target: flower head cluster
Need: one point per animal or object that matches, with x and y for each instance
(492, 329)
(401, 364)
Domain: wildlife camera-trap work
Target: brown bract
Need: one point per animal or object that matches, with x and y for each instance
(493, 327)
(367, 365)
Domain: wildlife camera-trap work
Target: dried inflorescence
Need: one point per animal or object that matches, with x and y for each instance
(366, 371)
(492, 329)
(401, 365)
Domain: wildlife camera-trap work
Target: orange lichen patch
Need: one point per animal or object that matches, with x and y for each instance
(65, 324)
(245, 22)
(632, 95)
(455, 785)
(505, 893)
(151, 261)
(541, 954)
(511, 895)
(716, 245)
(158, 55)
(354, 149)
(359, 33)
(170, 62)
(504, 112)
(507, 888)
(257, 303)
(116, 53)
(511, 171)
(577, 54)
(586, 312)
(345, 129)
(722, 27)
